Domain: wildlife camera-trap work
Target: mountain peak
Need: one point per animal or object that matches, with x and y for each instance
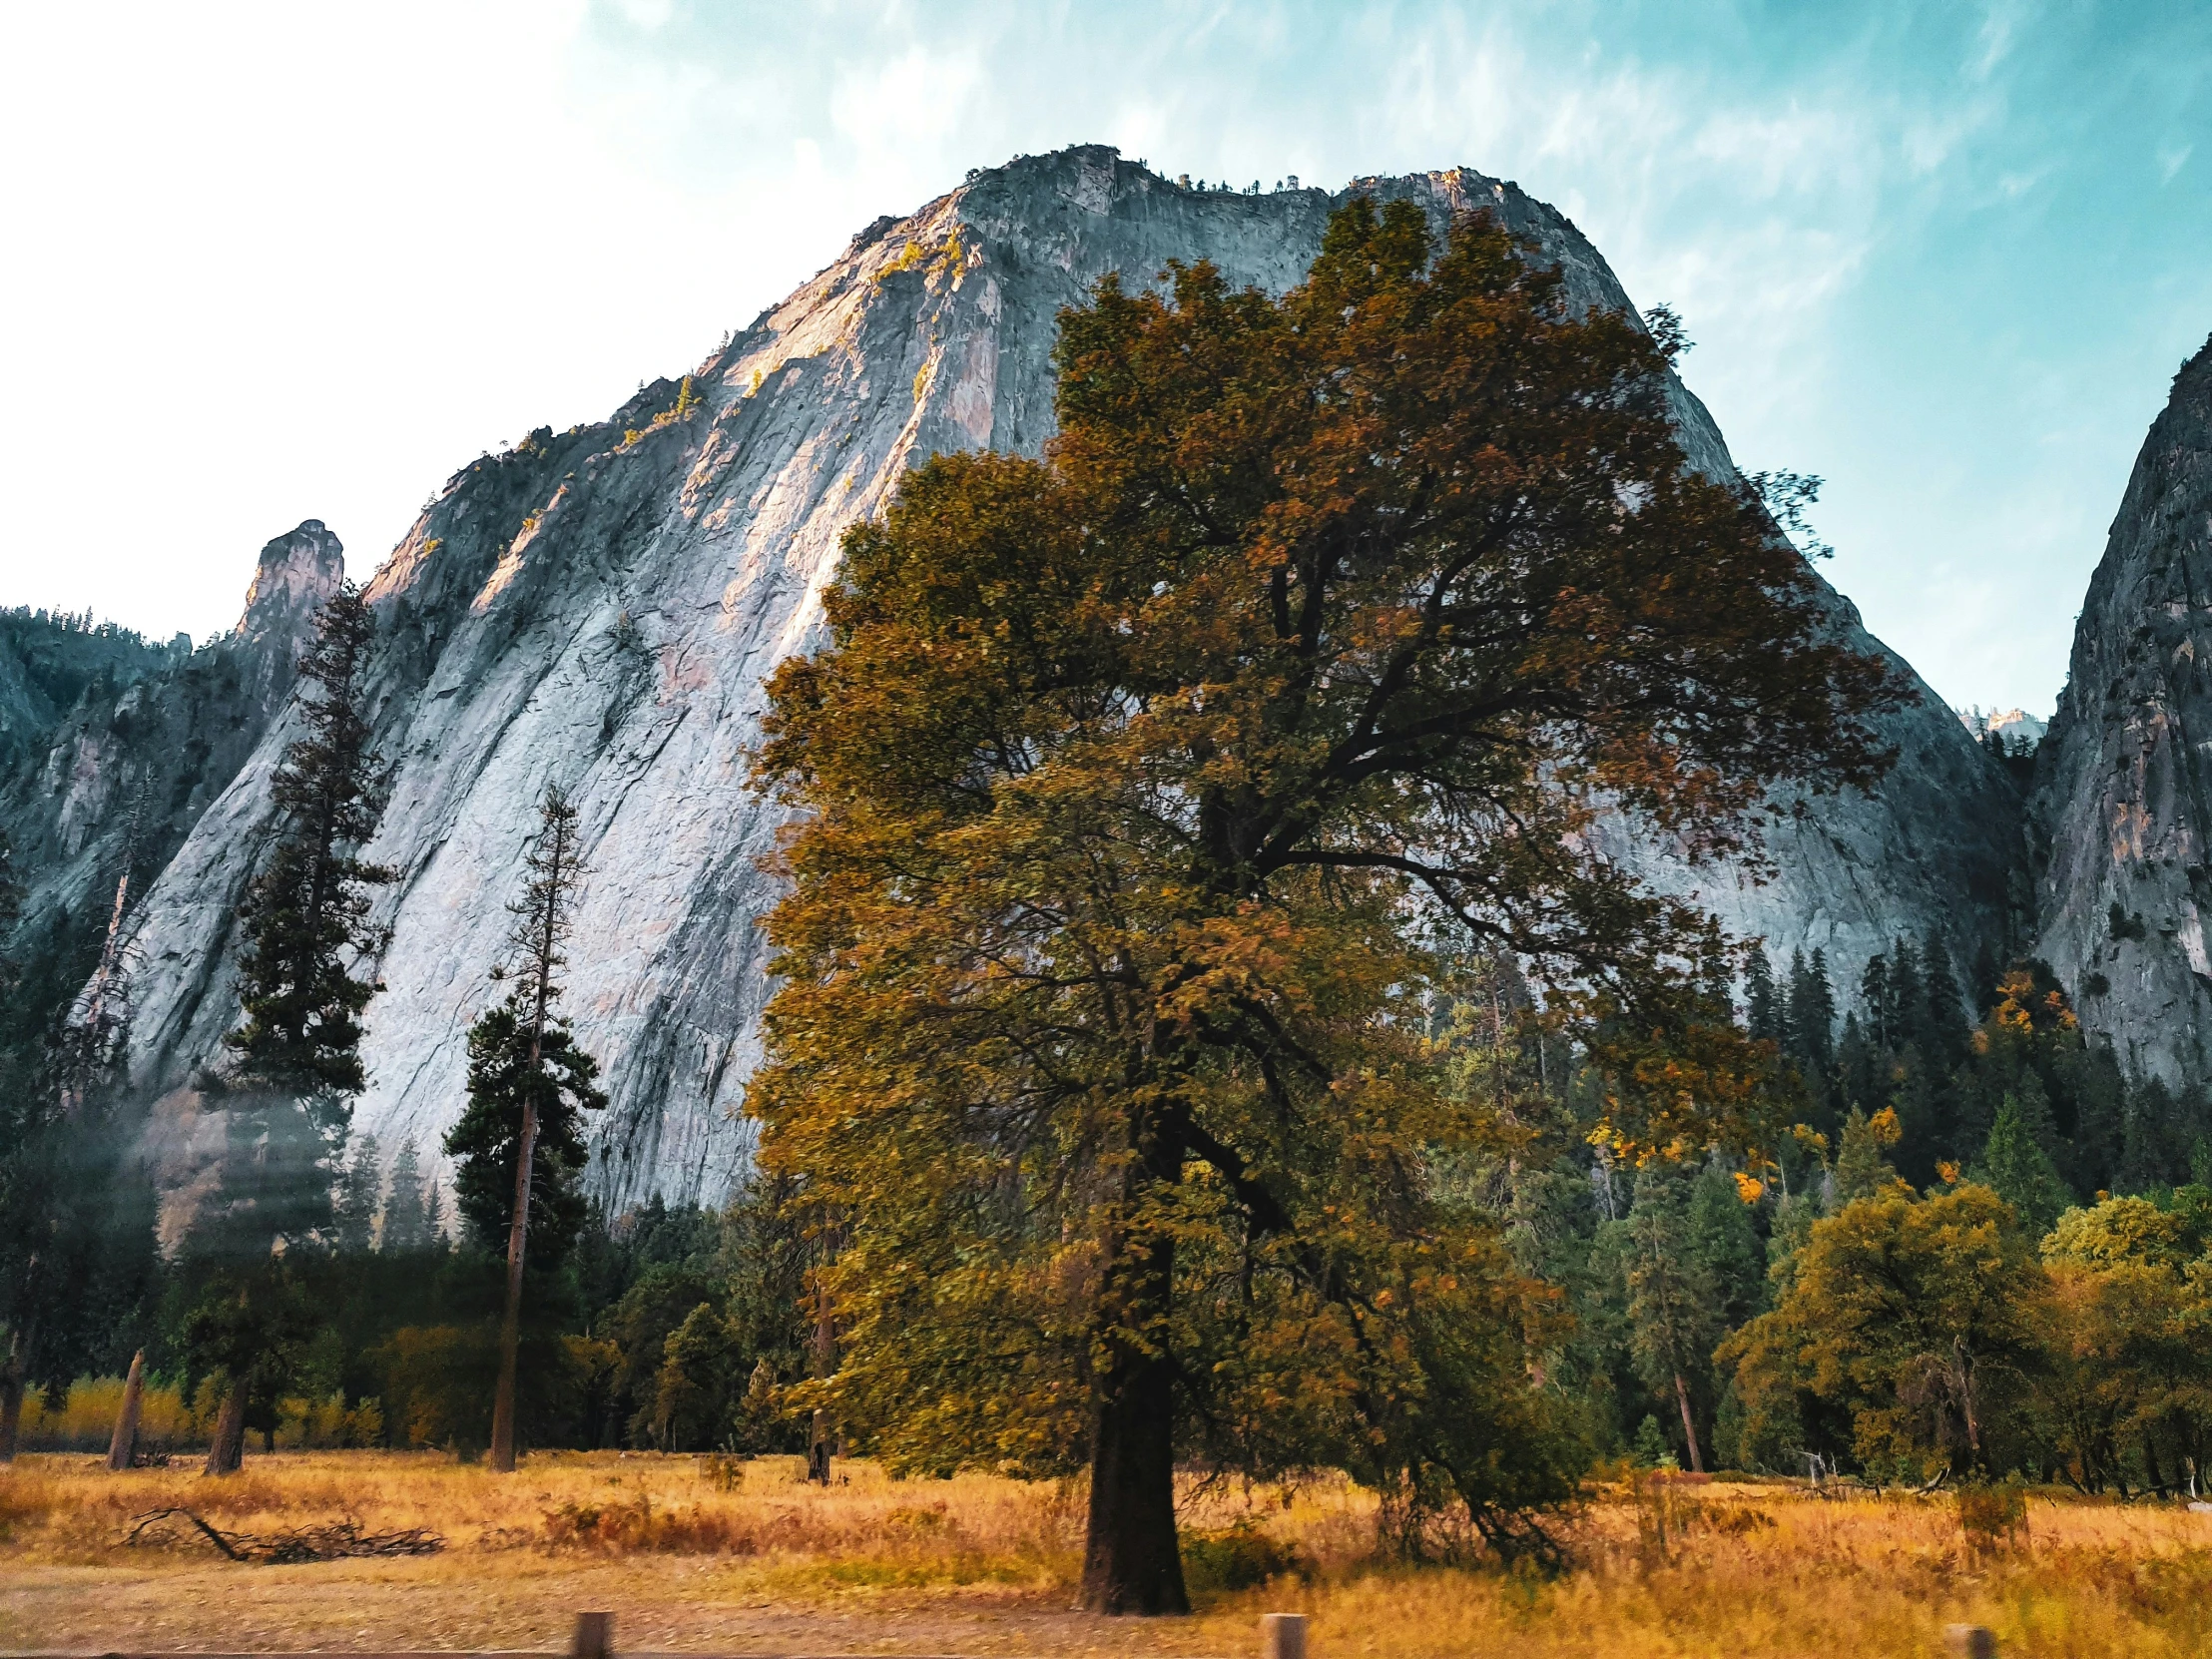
(297, 572)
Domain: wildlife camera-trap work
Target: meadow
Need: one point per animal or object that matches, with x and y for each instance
(737, 1556)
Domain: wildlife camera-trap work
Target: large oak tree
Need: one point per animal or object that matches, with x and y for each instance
(1137, 786)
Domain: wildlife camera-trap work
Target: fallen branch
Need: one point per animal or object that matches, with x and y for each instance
(224, 1541)
(341, 1541)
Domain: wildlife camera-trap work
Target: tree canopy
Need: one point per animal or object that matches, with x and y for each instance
(1139, 785)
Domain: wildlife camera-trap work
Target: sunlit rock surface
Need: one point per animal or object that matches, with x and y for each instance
(2123, 794)
(598, 608)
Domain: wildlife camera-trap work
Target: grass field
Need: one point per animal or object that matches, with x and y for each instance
(691, 1554)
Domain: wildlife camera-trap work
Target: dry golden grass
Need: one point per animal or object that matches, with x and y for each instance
(981, 1566)
(88, 1412)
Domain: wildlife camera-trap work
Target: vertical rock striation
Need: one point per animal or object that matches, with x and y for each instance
(599, 607)
(2124, 780)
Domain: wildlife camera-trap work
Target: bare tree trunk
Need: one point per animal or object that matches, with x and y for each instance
(1962, 1371)
(510, 1324)
(824, 1358)
(11, 1398)
(123, 1445)
(227, 1453)
(1689, 1429)
(1131, 1562)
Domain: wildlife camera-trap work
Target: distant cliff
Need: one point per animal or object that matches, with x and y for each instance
(598, 608)
(2125, 780)
(151, 736)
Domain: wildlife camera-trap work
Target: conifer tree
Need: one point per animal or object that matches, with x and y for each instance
(1908, 995)
(305, 914)
(1763, 1012)
(1674, 1303)
(2157, 1135)
(1812, 1010)
(406, 1219)
(359, 1187)
(2017, 1164)
(519, 1146)
(1859, 1064)
(1875, 1002)
(296, 1058)
(1946, 1039)
(1723, 1237)
(1862, 1167)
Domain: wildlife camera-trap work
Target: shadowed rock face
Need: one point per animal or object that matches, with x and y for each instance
(123, 780)
(599, 608)
(2124, 783)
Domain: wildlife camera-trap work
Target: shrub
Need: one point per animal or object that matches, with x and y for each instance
(1992, 1516)
(1238, 1557)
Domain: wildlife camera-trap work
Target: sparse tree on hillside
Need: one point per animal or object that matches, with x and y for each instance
(1119, 780)
(519, 1146)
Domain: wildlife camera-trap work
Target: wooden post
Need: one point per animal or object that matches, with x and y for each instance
(1282, 1636)
(122, 1446)
(595, 1636)
(1970, 1641)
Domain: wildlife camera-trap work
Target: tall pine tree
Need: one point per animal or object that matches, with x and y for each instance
(1674, 1304)
(519, 1146)
(295, 1060)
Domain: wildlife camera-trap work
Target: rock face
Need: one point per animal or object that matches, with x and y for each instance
(118, 782)
(2125, 780)
(49, 664)
(598, 606)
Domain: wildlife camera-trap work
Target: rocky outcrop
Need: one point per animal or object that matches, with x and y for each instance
(2124, 780)
(598, 606)
(121, 780)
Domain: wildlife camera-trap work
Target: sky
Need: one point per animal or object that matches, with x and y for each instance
(262, 263)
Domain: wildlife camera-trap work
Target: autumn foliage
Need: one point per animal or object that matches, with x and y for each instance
(1143, 789)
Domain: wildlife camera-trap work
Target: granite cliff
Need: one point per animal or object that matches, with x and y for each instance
(2123, 794)
(115, 782)
(598, 606)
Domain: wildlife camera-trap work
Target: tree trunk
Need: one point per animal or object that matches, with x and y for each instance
(1131, 1563)
(227, 1454)
(510, 1324)
(1963, 1373)
(824, 1359)
(11, 1398)
(1689, 1429)
(123, 1445)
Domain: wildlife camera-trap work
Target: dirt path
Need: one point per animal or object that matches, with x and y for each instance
(663, 1606)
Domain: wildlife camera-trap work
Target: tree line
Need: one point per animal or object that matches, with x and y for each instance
(300, 1269)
